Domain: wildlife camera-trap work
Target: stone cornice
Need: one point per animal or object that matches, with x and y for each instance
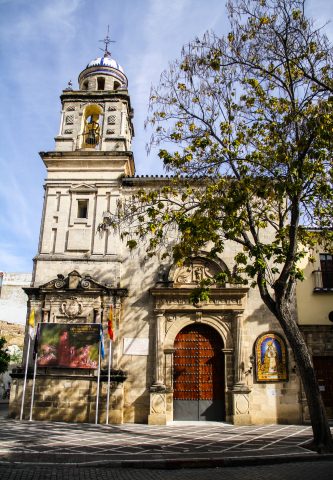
(79, 154)
(177, 299)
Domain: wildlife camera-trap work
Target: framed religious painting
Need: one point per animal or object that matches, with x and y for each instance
(271, 358)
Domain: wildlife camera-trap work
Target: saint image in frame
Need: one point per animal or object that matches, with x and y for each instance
(271, 360)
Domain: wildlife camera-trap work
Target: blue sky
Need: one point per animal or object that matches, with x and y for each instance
(46, 43)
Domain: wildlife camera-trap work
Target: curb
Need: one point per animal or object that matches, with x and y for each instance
(177, 464)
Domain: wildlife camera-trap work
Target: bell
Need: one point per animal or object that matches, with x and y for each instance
(91, 138)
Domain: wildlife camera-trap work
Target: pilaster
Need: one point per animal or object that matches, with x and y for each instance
(240, 390)
(158, 400)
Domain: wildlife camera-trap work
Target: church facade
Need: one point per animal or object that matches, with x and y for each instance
(221, 360)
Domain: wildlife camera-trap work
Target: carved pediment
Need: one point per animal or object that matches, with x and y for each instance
(73, 281)
(83, 188)
(192, 273)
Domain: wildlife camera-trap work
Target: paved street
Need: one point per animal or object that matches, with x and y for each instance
(180, 451)
(57, 442)
(294, 471)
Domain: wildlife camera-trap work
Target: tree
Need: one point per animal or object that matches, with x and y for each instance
(249, 118)
(4, 356)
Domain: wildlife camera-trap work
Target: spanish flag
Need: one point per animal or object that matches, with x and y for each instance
(110, 325)
(32, 324)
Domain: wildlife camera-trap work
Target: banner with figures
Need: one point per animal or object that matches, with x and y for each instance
(69, 345)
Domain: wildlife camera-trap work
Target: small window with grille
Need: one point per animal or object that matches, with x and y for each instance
(69, 119)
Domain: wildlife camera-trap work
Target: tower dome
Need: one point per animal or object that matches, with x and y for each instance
(103, 73)
(105, 61)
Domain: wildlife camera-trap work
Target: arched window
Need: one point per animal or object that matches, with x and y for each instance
(116, 85)
(100, 83)
(91, 127)
(85, 85)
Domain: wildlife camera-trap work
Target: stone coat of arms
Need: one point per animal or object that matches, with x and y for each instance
(71, 308)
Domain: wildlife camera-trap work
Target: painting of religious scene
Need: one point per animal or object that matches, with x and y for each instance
(271, 358)
(68, 345)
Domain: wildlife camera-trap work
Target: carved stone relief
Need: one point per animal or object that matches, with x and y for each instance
(158, 403)
(242, 404)
(71, 308)
(194, 273)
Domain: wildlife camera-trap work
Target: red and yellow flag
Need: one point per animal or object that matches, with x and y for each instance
(110, 325)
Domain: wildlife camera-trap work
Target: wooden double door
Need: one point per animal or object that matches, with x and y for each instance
(199, 375)
(324, 370)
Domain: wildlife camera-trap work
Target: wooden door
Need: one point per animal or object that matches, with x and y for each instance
(324, 370)
(198, 374)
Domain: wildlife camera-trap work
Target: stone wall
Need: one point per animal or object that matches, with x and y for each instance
(13, 300)
(67, 398)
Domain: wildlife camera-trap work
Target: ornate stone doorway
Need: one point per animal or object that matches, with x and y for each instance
(198, 377)
(213, 327)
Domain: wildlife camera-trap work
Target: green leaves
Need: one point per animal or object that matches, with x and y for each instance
(250, 121)
(4, 355)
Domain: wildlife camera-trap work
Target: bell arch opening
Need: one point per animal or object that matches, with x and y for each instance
(199, 374)
(91, 126)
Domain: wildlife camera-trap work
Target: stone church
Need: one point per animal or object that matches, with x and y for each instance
(221, 360)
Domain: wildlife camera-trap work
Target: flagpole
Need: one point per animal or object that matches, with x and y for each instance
(33, 388)
(108, 390)
(25, 378)
(98, 377)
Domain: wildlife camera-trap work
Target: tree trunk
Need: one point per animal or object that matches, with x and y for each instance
(322, 438)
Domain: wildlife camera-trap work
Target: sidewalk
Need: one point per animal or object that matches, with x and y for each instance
(179, 445)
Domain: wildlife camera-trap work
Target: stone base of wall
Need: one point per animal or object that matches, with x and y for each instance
(73, 399)
(68, 399)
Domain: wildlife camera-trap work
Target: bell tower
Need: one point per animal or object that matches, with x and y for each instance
(97, 116)
(92, 153)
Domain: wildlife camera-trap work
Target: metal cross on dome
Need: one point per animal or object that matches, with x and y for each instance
(107, 40)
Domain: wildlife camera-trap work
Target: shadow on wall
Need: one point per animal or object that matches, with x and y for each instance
(271, 402)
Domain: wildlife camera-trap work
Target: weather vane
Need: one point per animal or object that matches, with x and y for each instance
(107, 40)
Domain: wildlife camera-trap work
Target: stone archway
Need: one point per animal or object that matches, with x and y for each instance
(198, 374)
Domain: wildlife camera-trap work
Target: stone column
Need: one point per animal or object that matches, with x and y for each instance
(239, 357)
(158, 400)
(240, 391)
(229, 381)
(159, 354)
(168, 375)
(116, 344)
(46, 315)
